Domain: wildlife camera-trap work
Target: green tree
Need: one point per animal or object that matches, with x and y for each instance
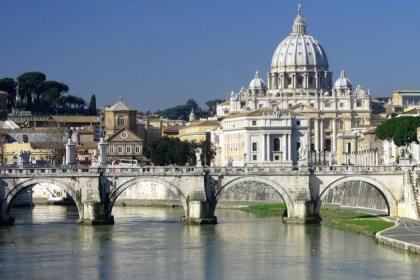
(211, 106)
(9, 85)
(29, 84)
(170, 151)
(92, 105)
(402, 130)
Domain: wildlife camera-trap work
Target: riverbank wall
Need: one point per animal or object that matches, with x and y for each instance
(396, 243)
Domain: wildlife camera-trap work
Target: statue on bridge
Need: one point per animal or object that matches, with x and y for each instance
(198, 151)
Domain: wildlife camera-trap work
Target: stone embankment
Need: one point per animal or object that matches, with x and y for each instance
(405, 236)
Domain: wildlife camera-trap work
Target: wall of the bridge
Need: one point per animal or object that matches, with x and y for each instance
(84, 190)
(390, 185)
(293, 190)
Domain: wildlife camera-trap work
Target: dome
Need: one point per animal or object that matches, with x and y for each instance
(299, 49)
(342, 82)
(257, 83)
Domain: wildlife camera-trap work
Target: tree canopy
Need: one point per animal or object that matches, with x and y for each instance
(182, 112)
(40, 95)
(168, 151)
(173, 151)
(9, 85)
(92, 105)
(401, 130)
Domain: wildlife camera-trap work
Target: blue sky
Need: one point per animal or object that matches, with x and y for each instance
(159, 53)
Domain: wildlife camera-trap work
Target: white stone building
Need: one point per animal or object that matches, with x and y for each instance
(262, 137)
(300, 81)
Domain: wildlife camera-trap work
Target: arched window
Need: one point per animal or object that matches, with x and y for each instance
(276, 144)
(121, 121)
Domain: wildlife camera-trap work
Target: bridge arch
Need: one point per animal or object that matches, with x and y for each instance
(18, 188)
(390, 199)
(117, 191)
(272, 184)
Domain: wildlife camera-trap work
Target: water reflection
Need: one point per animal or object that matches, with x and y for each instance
(151, 243)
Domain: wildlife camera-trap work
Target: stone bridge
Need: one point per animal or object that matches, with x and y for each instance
(95, 190)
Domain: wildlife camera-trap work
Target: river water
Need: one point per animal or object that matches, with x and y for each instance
(150, 243)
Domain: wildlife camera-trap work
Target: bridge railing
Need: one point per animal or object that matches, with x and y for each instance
(361, 169)
(253, 170)
(47, 170)
(154, 170)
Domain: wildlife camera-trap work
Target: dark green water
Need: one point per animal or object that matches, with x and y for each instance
(150, 243)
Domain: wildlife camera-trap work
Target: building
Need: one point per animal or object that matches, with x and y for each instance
(406, 98)
(121, 133)
(198, 130)
(263, 137)
(118, 117)
(44, 153)
(300, 81)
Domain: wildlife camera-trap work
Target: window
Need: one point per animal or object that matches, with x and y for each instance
(276, 145)
(254, 146)
(327, 105)
(276, 157)
(128, 149)
(25, 138)
(290, 105)
(341, 124)
(328, 145)
(254, 157)
(120, 149)
(359, 103)
(137, 149)
(254, 123)
(341, 105)
(298, 122)
(121, 121)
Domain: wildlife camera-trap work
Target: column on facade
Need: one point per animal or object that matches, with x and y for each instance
(263, 153)
(316, 134)
(289, 146)
(306, 81)
(284, 142)
(334, 135)
(321, 135)
(268, 147)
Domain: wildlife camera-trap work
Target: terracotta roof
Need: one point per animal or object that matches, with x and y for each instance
(76, 119)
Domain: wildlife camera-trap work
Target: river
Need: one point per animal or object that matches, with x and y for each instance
(150, 243)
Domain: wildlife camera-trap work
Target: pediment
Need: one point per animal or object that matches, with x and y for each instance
(302, 108)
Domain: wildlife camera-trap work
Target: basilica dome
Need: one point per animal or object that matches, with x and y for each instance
(257, 83)
(299, 49)
(342, 82)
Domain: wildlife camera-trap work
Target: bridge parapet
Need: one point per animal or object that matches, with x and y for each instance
(354, 169)
(253, 170)
(155, 170)
(50, 171)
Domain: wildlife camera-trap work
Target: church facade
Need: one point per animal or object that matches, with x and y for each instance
(300, 82)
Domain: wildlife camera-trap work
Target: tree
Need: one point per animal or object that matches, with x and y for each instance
(211, 106)
(168, 151)
(29, 84)
(92, 105)
(401, 130)
(9, 85)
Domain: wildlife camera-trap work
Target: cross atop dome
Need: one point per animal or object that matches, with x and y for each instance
(299, 25)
